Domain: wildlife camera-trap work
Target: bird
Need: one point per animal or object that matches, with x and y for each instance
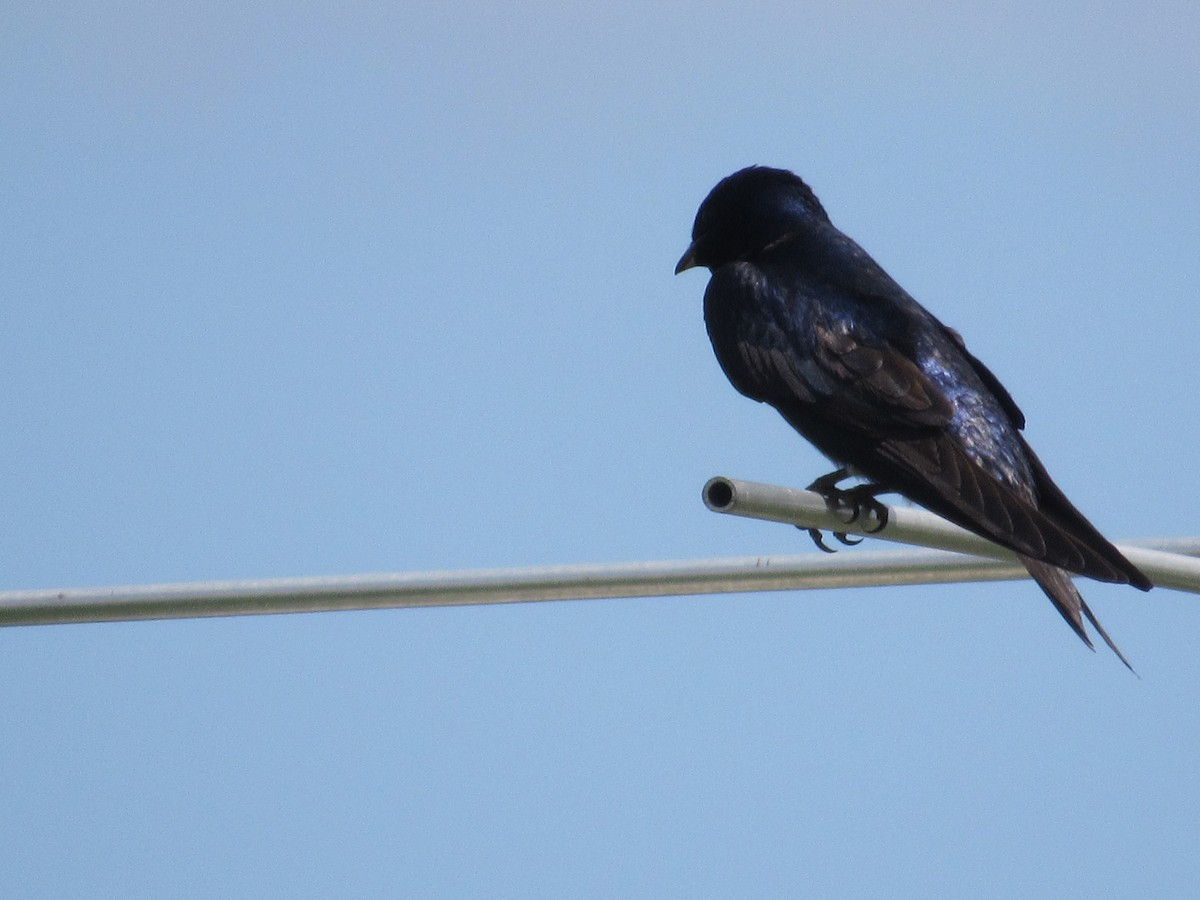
(801, 318)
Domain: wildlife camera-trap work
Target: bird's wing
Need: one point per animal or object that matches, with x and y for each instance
(862, 400)
(998, 390)
(900, 417)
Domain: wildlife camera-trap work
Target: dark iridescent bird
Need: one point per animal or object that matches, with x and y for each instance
(803, 319)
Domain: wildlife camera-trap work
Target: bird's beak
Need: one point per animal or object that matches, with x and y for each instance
(688, 260)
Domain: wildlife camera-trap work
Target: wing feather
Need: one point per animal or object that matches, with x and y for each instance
(861, 399)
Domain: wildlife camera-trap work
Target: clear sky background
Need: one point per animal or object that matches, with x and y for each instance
(299, 289)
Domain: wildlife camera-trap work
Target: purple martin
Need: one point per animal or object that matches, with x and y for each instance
(801, 318)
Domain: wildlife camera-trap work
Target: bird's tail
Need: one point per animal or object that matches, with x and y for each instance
(1067, 600)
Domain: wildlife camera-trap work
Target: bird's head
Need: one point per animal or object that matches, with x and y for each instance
(746, 212)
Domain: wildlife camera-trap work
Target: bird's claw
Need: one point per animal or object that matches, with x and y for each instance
(818, 538)
(857, 500)
(860, 501)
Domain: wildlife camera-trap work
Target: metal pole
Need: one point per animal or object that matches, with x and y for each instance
(1161, 560)
(459, 588)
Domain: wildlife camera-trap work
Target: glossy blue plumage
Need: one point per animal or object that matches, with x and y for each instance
(802, 318)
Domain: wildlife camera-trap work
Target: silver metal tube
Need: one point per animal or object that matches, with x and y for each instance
(459, 588)
(1169, 563)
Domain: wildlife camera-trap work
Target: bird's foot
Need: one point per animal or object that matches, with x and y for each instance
(862, 500)
(857, 500)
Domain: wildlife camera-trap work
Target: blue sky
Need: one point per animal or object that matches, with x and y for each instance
(296, 289)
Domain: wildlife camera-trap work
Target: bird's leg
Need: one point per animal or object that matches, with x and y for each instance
(859, 499)
(828, 484)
